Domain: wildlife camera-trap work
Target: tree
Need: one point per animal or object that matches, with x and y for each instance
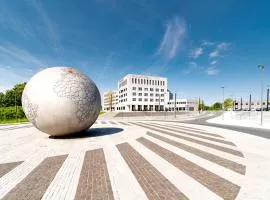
(8, 99)
(1, 99)
(216, 106)
(228, 103)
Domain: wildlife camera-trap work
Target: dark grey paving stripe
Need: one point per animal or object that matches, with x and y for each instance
(123, 123)
(7, 167)
(192, 134)
(195, 131)
(94, 180)
(239, 168)
(154, 184)
(222, 187)
(36, 183)
(214, 146)
(112, 122)
(103, 122)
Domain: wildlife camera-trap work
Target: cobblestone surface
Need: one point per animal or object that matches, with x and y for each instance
(6, 167)
(239, 168)
(154, 184)
(207, 144)
(36, 183)
(225, 189)
(94, 180)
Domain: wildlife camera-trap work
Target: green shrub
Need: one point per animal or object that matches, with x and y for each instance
(8, 113)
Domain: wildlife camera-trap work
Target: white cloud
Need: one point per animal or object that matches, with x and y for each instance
(212, 71)
(13, 53)
(207, 43)
(173, 37)
(213, 62)
(191, 66)
(214, 54)
(195, 53)
(223, 46)
(51, 28)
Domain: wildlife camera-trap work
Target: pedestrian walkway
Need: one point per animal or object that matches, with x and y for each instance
(134, 160)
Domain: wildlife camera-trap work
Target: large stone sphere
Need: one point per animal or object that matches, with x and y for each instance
(61, 101)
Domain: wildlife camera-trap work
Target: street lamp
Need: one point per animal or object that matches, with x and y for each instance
(261, 67)
(223, 102)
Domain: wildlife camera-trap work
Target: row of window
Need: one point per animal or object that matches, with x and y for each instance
(123, 90)
(146, 94)
(146, 89)
(147, 82)
(182, 102)
(151, 100)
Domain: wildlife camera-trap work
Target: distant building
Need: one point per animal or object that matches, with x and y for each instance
(145, 93)
(110, 100)
(246, 105)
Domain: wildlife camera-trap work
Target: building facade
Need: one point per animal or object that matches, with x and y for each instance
(110, 100)
(144, 93)
(249, 105)
(182, 105)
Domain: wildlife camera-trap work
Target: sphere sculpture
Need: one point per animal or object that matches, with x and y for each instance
(60, 101)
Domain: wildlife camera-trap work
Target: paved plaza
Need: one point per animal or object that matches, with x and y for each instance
(121, 159)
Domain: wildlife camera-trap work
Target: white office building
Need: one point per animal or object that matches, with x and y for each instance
(145, 93)
(142, 93)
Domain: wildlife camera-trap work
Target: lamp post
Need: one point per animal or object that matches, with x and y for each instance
(261, 67)
(267, 98)
(223, 102)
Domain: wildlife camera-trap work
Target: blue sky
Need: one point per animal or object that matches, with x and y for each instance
(198, 45)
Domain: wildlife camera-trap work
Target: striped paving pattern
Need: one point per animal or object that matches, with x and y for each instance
(6, 167)
(169, 161)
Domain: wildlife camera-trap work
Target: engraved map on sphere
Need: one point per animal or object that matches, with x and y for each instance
(78, 88)
(29, 108)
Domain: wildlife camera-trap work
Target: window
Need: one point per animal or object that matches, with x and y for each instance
(157, 95)
(135, 81)
(144, 81)
(140, 99)
(157, 100)
(157, 90)
(155, 82)
(162, 95)
(151, 89)
(132, 80)
(134, 93)
(162, 100)
(162, 90)
(158, 82)
(151, 100)
(151, 94)
(140, 89)
(133, 99)
(134, 88)
(140, 94)
(146, 94)
(147, 82)
(145, 89)
(145, 99)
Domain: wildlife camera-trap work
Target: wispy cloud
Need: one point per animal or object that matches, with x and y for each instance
(220, 48)
(207, 43)
(195, 53)
(213, 62)
(212, 71)
(11, 20)
(10, 54)
(191, 66)
(173, 37)
(51, 27)
(214, 54)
